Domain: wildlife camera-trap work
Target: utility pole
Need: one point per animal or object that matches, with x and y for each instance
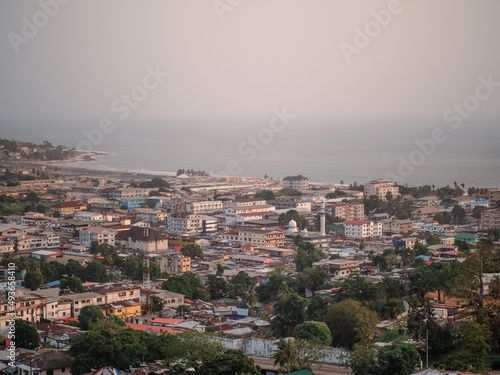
(427, 347)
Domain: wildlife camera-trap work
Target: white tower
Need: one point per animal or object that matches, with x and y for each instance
(322, 230)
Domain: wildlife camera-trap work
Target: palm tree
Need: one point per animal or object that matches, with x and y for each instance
(22, 263)
(285, 355)
(6, 259)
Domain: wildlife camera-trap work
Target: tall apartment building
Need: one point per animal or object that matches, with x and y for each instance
(490, 219)
(357, 229)
(178, 223)
(295, 182)
(494, 197)
(380, 188)
(205, 207)
(347, 211)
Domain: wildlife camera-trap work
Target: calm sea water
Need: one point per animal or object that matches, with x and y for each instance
(322, 153)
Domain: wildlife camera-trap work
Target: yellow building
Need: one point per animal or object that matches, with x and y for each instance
(123, 309)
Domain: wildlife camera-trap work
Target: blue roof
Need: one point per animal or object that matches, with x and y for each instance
(424, 257)
(53, 283)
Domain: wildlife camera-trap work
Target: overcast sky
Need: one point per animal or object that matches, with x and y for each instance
(235, 67)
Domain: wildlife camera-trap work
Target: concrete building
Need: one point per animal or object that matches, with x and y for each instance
(256, 237)
(494, 197)
(338, 267)
(27, 307)
(380, 188)
(101, 235)
(347, 211)
(125, 193)
(205, 207)
(184, 223)
(172, 262)
(144, 239)
(290, 203)
(88, 216)
(490, 219)
(390, 226)
(66, 208)
(357, 229)
(295, 182)
(209, 224)
(244, 203)
(151, 216)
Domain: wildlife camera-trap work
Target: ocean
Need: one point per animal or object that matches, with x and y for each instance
(323, 153)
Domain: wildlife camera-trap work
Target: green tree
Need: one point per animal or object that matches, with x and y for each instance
(156, 304)
(229, 362)
(74, 283)
(288, 192)
(88, 315)
(265, 194)
(433, 239)
(193, 251)
(183, 310)
(459, 214)
(296, 355)
(56, 214)
(220, 269)
(313, 331)
(155, 182)
(33, 280)
(399, 359)
(317, 309)
(217, 287)
(350, 322)
(73, 268)
(96, 271)
(476, 342)
(26, 335)
(270, 291)
(476, 212)
(187, 284)
(312, 278)
(290, 311)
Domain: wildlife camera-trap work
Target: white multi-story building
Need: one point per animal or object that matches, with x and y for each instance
(184, 223)
(90, 216)
(358, 229)
(347, 211)
(381, 188)
(294, 203)
(256, 237)
(151, 216)
(87, 236)
(205, 207)
(244, 203)
(209, 224)
(295, 182)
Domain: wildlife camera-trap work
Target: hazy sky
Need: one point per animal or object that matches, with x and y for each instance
(262, 55)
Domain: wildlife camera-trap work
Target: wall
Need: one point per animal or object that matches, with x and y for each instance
(266, 348)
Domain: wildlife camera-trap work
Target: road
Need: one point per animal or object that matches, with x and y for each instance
(326, 369)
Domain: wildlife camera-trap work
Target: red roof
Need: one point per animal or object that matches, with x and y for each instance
(357, 222)
(257, 213)
(144, 327)
(167, 320)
